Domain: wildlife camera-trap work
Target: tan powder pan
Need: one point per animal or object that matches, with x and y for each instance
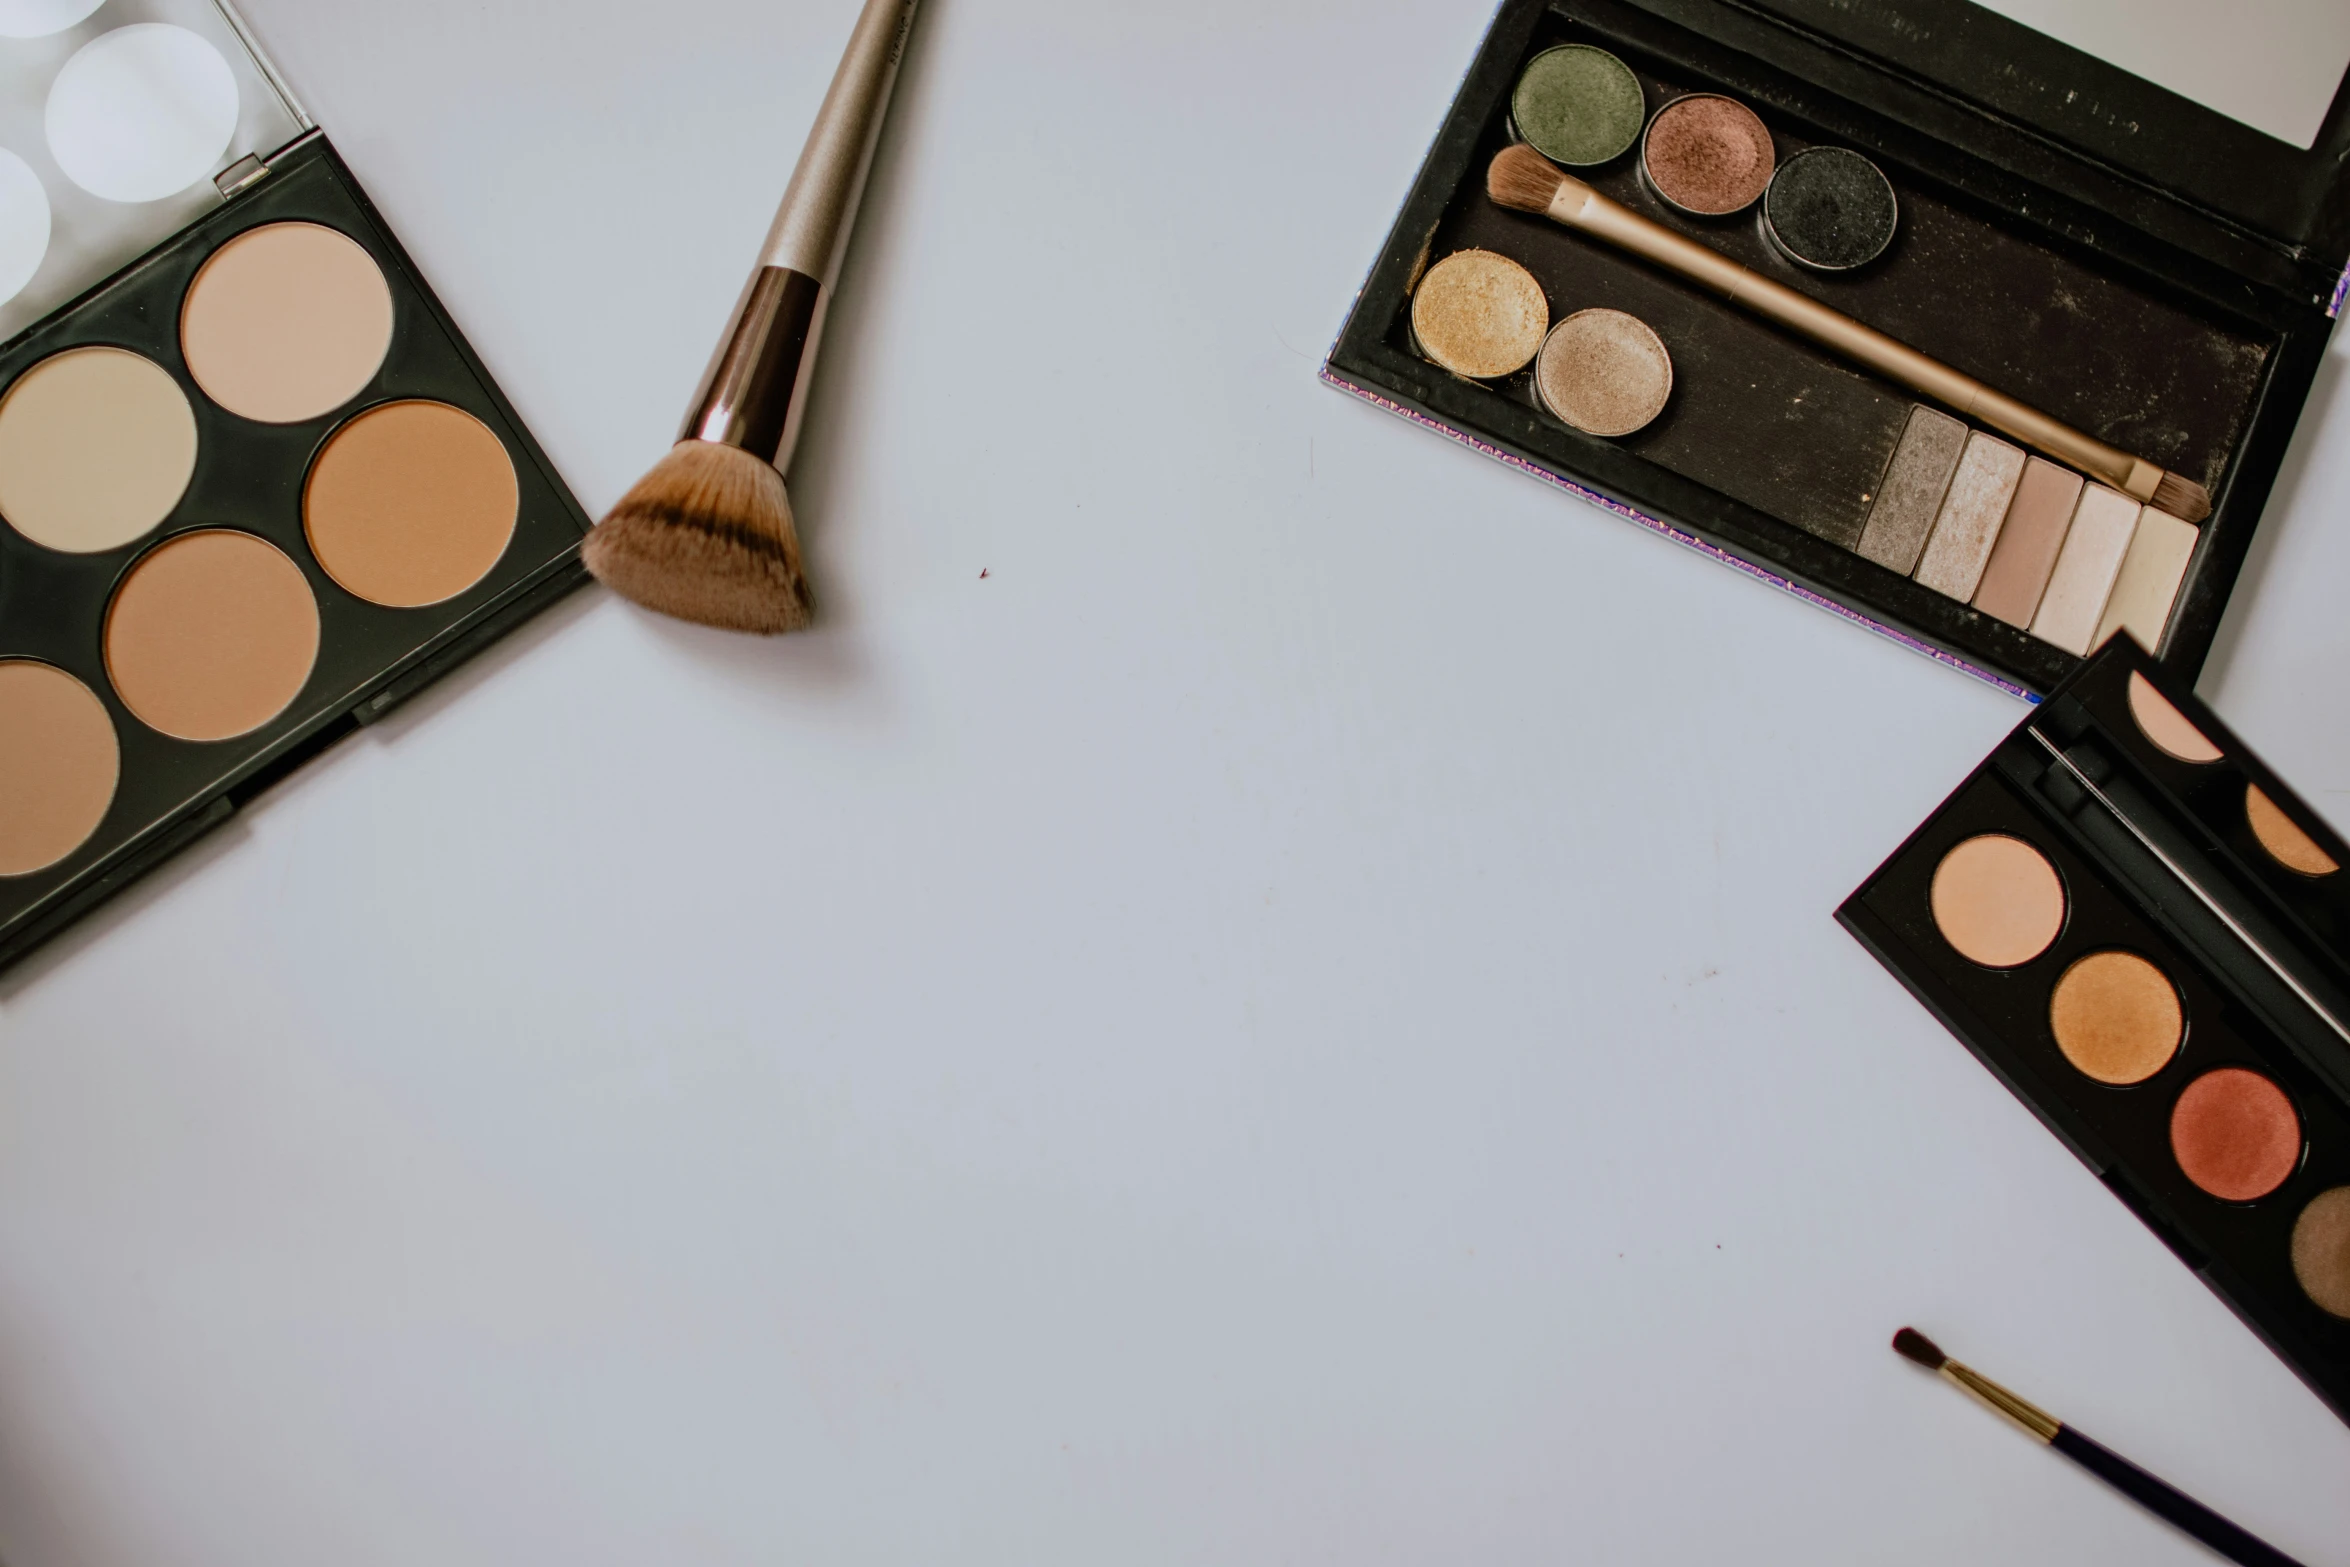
(59, 763)
(411, 503)
(211, 635)
(286, 322)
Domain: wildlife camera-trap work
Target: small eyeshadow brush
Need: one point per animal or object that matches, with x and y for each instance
(1522, 179)
(707, 535)
(2133, 1482)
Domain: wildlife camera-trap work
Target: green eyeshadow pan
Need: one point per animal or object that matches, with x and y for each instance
(1578, 106)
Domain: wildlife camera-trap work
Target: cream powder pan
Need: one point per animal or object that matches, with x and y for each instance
(96, 448)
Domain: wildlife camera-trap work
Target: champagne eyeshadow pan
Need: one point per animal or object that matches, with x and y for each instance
(255, 488)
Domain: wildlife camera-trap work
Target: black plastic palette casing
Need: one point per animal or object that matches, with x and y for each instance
(2240, 1010)
(250, 477)
(2181, 273)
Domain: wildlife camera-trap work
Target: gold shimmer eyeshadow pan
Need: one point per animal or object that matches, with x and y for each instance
(255, 488)
(2146, 936)
(1950, 353)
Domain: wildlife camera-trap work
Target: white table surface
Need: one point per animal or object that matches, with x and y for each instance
(1262, 991)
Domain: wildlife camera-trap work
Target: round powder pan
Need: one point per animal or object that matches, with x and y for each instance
(1479, 315)
(1578, 106)
(1831, 210)
(1707, 155)
(1604, 372)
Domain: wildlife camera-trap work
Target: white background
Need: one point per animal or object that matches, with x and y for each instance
(1262, 991)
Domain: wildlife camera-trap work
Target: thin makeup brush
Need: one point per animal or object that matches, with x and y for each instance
(1522, 179)
(2107, 1465)
(707, 535)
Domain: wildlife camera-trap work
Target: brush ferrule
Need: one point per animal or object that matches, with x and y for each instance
(755, 390)
(2035, 1421)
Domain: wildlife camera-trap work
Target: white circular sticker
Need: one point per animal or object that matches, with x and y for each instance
(40, 18)
(142, 113)
(24, 224)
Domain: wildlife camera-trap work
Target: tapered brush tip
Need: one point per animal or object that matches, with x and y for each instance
(1916, 1346)
(1522, 178)
(706, 536)
(2182, 498)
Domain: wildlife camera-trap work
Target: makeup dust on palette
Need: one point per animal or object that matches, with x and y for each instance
(2146, 935)
(255, 489)
(1886, 314)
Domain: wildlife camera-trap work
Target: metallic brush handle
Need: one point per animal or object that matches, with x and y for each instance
(1578, 206)
(754, 394)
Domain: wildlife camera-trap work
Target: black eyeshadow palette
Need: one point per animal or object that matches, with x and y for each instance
(352, 554)
(2140, 930)
(2168, 293)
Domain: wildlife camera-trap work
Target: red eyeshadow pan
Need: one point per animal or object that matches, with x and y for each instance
(2236, 1135)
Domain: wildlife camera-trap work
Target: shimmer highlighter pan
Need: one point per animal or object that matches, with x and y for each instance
(2135, 924)
(1974, 337)
(255, 489)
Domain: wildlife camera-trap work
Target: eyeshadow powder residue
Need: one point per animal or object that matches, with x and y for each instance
(2283, 838)
(1578, 105)
(1480, 315)
(1708, 154)
(59, 763)
(2117, 1018)
(2236, 1135)
(411, 503)
(2166, 726)
(2321, 1251)
(211, 635)
(1998, 901)
(1605, 373)
(1832, 209)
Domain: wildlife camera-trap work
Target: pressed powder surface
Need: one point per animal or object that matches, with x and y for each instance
(286, 322)
(2236, 1135)
(2082, 579)
(2028, 542)
(2166, 726)
(1605, 372)
(2116, 1017)
(2149, 580)
(1831, 209)
(96, 448)
(59, 762)
(2294, 849)
(1915, 482)
(1480, 315)
(1578, 105)
(1998, 901)
(1708, 154)
(211, 635)
(2321, 1251)
(412, 503)
(1968, 526)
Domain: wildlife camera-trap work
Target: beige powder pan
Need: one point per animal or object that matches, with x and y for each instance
(59, 763)
(211, 635)
(411, 503)
(96, 447)
(286, 322)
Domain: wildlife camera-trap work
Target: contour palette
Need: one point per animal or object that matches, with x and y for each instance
(1911, 199)
(2140, 930)
(254, 491)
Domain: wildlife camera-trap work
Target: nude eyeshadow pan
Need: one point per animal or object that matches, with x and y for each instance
(2132, 921)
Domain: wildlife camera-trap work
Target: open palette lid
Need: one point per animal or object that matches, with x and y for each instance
(2239, 149)
(121, 122)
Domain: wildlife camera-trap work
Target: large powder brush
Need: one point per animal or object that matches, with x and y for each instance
(708, 536)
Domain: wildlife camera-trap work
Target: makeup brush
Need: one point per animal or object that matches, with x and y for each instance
(2107, 1465)
(707, 535)
(1522, 179)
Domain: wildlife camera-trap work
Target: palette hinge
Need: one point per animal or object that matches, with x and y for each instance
(239, 174)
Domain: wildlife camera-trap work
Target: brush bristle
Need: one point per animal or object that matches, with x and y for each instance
(1916, 1346)
(2182, 498)
(1522, 178)
(707, 536)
